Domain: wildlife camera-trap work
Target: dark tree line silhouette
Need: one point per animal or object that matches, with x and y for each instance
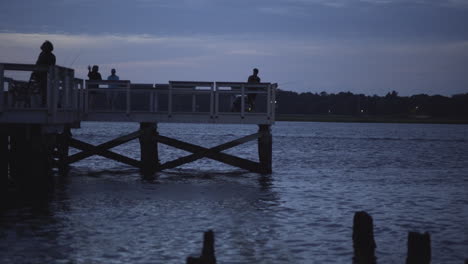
(347, 103)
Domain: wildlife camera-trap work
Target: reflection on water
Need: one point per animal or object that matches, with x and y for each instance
(408, 177)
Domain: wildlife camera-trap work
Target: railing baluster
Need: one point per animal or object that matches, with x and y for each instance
(86, 97)
(268, 90)
(128, 99)
(242, 100)
(212, 107)
(169, 104)
(2, 88)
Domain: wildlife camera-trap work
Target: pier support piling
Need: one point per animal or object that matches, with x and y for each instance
(29, 159)
(265, 148)
(148, 148)
(5, 156)
(63, 146)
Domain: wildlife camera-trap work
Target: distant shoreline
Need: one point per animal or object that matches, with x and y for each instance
(370, 119)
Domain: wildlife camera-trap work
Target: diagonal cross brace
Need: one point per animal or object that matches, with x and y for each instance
(212, 153)
(102, 150)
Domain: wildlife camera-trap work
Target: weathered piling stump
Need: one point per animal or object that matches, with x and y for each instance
(265, 146)
(208, 252)
(148, 148)
(363, 239)
(419, 248)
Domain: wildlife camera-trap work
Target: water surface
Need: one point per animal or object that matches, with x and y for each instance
(409, 177)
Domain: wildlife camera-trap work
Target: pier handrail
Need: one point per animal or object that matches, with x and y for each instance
(208, 92)
(60, 91)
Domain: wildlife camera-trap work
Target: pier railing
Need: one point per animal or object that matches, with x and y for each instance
(180, 101)
(37, 94)
(52, 95)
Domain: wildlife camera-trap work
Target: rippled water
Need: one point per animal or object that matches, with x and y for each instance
(408, 177)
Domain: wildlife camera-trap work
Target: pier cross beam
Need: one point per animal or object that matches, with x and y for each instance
(149, 139)
(89, 150)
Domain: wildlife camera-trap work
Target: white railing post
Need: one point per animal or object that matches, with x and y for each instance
(216, 105)
(50, 89)
(269, 101)
(80, 91)
(194, 101)
(67, 92)
(55, 90)
(273, 113)
(151, 101)
(156, 98)
(213, 86)
(169, 104)
(242, 100)
(128, 98)
(86, 98)
(2, 88)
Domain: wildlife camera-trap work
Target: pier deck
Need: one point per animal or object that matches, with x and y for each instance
(24, 112)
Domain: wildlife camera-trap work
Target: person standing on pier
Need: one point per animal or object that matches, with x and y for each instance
(251, 96)
(46, 58)
(93, 75)
(112, 96)
(113, 77)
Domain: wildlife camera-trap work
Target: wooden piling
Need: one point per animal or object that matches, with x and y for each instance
(40, 170)
(208, 251)
(419, 248)
(4, 174)
(148, 148)
(265, 148)
(363, 239)
(17, 149)
(63, 146)
(29, 161)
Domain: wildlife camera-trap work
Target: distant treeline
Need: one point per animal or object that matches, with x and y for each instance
(347, 103)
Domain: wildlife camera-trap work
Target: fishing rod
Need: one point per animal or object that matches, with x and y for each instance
(77, 55)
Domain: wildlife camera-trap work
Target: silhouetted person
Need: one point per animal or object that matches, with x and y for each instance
(93, 75)
(251, 96)
(46, 58)
(113, 77)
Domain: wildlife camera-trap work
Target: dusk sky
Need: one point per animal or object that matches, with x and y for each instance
(361, 46)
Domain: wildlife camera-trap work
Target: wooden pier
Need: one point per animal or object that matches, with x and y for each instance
(36, 137)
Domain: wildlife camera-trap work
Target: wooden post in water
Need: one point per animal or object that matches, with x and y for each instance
(419, 248)
(363, 239)
(265, 148)
(208, 251)
(148, 148)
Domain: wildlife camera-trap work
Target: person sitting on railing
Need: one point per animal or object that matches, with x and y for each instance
(46, 58)
(251, 96)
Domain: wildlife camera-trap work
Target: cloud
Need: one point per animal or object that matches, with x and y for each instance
(301, 63)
